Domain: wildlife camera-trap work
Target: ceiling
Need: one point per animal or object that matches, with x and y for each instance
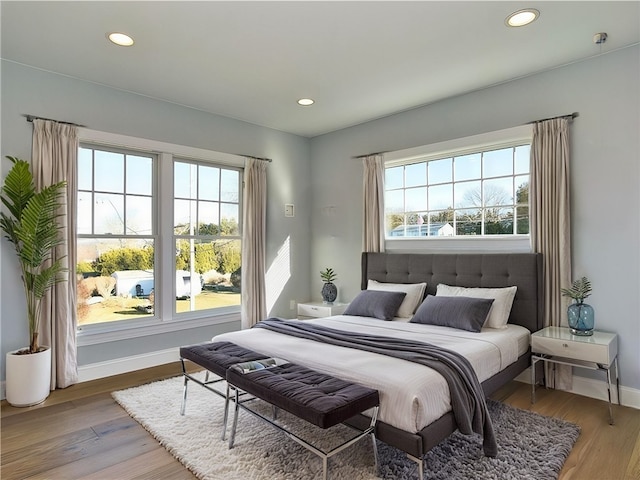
(359, 60)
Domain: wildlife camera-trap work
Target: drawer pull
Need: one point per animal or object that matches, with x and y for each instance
(565, 345)
(314, 308)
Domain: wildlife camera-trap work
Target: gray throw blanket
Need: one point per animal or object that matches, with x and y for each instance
(467, 398)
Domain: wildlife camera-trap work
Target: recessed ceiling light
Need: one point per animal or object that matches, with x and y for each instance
(305, 102)
(522, 17)
(121, 39)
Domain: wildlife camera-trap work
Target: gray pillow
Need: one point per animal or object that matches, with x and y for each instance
(376, 303)
(463, 313)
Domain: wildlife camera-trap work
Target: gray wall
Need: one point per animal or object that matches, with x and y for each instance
(31, 91)
(605, 174)
(604, 178)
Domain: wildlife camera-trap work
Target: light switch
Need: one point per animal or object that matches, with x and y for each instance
(288, 210)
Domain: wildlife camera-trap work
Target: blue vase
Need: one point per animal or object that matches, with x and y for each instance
(581, 319)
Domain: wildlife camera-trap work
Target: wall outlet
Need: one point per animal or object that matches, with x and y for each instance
(289, 210)
(292, 305)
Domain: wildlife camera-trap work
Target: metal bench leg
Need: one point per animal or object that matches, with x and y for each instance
(226, 414)
(184, 389)
(325, 467)
(234, 425)
(374, 419)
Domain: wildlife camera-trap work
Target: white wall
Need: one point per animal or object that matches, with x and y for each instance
(30, 91)
(604, 177)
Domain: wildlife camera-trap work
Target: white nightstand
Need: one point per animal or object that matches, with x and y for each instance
(558, 345)
(320, 309)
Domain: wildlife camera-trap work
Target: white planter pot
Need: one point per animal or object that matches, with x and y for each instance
(28, 378)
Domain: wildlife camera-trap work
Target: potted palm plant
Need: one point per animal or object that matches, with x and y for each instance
(31, 226)
(329, 289)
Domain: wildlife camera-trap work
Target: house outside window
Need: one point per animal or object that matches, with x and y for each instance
(159, 238)
(476, 187)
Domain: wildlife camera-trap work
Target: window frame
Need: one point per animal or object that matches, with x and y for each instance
(467, 145)
(162, 322)
(198, 236)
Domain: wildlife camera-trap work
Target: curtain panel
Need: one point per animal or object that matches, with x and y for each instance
(254, 221)
(373, 204)
(54, 158)
(551, 226)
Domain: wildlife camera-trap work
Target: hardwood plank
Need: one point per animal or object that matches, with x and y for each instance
(158, 461)
(130, 442)
(88, 443)
(48, 425)
(41, 456)
(633, 468)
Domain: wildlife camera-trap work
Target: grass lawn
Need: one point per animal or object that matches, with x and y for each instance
(119, 308)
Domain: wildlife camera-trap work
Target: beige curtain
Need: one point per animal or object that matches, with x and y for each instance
(373, 227)
(550, 225)
(254, 220)
(54, 154)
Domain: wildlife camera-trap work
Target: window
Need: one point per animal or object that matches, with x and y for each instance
(117, 235)
(206, 236)
(473, 187)
(146, 258)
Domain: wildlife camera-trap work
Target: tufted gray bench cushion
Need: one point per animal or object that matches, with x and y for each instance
(318, 398)
(218, 356)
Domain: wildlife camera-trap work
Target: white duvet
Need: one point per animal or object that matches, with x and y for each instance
(411, 395)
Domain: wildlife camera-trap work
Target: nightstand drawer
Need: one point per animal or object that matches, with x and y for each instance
(590, 352)
(317, 310)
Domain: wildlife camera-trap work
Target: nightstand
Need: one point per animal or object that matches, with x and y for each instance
(320, 309)
(558, 345)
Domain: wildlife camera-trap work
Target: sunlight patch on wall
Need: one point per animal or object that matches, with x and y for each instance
(278, 274)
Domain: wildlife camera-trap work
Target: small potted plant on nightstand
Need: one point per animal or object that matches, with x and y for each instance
(329, 290)
(580, 314)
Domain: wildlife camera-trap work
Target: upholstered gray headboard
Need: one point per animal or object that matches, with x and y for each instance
(523, 270)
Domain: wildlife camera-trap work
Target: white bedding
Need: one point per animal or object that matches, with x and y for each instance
(411, 395)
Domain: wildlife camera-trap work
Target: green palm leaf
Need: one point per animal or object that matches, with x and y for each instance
(580, 289)
(31, 225)
(18, 187)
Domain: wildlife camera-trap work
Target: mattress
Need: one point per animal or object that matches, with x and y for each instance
(412, 396)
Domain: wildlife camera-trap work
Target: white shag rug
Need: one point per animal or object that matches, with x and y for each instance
(531, 446)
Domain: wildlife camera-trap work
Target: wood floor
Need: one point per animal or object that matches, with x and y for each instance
(81, 433)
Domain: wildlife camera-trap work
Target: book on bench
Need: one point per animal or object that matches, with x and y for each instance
(253, 365)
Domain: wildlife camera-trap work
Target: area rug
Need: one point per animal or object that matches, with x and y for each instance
(531, 446)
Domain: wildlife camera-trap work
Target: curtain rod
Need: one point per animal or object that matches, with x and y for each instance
(367, 155)
(570, 115)
(31, 118)
(255, 158)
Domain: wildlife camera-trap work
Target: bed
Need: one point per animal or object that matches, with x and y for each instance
(414, 416)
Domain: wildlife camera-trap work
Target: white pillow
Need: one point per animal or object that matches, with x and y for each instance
(414, 297)
(501, 308)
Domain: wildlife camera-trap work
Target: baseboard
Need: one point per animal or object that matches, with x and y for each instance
(117, 366)
(590, 387)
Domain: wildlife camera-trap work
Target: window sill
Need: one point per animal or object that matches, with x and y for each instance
(114, 333)
(512, 243)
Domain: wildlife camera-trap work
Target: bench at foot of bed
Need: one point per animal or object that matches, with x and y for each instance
(216, 358)
(317, 398)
